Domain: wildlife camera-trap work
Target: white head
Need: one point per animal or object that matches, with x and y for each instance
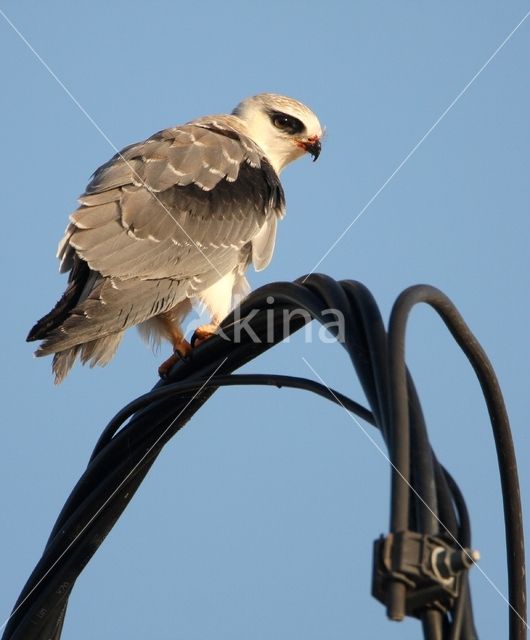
(284, 128)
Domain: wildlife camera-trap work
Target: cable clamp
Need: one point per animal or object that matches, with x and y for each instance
(430, 567)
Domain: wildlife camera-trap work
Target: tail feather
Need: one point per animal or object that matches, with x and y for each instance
(63, 362)
(97, 352)
(102, 350)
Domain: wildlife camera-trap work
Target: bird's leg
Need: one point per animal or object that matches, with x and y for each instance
(202, 333)
(181, 347)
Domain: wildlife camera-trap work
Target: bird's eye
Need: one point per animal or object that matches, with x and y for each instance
(287, 123)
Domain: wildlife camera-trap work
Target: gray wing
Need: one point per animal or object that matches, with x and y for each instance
(179, 205)
(160, 221)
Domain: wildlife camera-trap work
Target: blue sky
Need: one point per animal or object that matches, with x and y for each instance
(258, 518)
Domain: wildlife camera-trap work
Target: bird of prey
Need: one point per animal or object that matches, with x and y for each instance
(173, 221)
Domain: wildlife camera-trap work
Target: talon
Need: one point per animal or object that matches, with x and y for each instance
(181, 351)
(202, 334)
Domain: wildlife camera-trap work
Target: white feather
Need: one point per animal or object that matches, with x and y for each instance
(217, 299)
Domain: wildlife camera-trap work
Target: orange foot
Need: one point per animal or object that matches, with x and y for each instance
(181, 351)
(202, 334)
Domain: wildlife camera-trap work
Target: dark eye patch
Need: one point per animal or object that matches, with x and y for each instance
(287, 123)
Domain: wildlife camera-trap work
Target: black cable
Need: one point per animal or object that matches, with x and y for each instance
(177, 389)
(131, 442)
(499, 421)
(275, 380)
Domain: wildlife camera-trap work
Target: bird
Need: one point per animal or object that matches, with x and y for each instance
(170, 223)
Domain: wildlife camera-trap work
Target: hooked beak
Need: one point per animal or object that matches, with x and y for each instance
(311, 145)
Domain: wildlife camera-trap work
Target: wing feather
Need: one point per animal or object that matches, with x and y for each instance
(167, 208)
(95, 216)
(263, 245)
